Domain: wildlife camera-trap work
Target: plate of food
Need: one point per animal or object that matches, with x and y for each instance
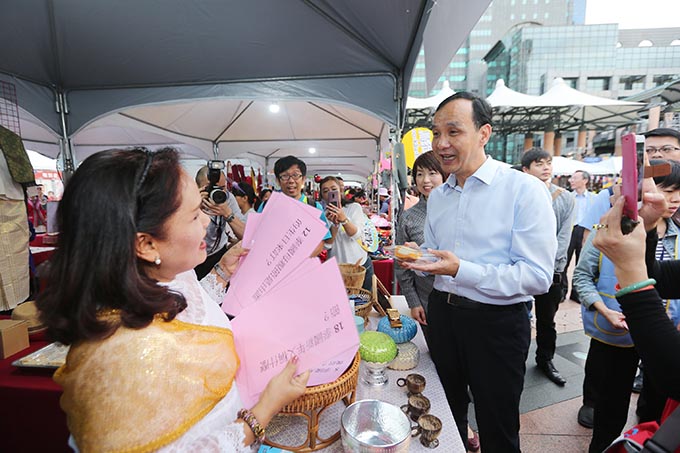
(51, 356)
(409, 254)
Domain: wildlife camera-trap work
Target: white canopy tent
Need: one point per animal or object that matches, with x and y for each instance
(96, 59)
(560, 108)
(503, 96)
(589, 111)
(430, 102)
(40, 162)
(610, 166)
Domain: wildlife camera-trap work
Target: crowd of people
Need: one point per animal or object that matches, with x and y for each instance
(153, 267)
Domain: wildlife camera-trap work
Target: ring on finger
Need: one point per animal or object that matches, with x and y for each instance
(600, 226)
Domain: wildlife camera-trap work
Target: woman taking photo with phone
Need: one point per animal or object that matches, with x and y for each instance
(152, 359)
(346, 224)
(656, 338)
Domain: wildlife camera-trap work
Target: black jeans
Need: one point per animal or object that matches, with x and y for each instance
(368, 278)
(546, 336)
(483, 347)
(612, 371)
(652, 399)
(575, 245)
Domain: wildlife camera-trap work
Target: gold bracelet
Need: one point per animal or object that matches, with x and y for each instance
(258, 431)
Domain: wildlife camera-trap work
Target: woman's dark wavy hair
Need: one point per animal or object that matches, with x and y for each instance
(112, 196)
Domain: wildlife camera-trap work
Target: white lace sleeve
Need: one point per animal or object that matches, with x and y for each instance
(230, 439)
(215, 289)
(216, 432)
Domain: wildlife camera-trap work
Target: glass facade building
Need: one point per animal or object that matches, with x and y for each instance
(467, 70)
(597, 59)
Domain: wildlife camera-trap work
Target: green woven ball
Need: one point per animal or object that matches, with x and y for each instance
(377, 347)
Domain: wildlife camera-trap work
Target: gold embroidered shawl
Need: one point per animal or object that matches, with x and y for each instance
(141, 389)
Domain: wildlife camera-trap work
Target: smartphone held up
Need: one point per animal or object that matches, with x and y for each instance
(632, 172)
(334, 198)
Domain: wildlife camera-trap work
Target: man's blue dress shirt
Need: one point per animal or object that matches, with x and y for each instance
(502, 227)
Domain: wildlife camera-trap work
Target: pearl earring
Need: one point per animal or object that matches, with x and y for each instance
(157, 261)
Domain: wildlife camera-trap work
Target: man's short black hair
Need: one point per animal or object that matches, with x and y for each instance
(534, 155)
(671, 180)
(481, 110)
(663, 132)
(285, 163)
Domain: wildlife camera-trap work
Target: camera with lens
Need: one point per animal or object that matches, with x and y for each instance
(215, 192)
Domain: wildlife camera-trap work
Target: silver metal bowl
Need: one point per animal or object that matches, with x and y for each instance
(372, 426)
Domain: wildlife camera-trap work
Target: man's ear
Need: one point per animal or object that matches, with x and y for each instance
(485, 132)
(145, 247)
(525, 169)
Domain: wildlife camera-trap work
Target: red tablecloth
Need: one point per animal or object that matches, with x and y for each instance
(384, 270)
(44, 240)
(41, 254)
(29, 399)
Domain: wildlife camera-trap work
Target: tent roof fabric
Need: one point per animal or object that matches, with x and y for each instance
(108, 57)
(503, 96)
(98, 47)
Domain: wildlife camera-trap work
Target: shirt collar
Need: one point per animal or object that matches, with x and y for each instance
(485, 173)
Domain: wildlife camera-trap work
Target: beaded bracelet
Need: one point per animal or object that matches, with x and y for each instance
(636, 287)
(257, 429)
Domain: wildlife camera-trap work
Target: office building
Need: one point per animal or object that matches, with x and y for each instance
(467, 70)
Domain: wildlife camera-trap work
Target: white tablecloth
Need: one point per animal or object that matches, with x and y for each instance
(292, 431)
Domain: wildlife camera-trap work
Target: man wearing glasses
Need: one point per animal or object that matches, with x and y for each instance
(663, 143)
(290, 173)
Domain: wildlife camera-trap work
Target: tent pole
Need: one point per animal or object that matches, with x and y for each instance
(64, 141)
(216, 150)
(266, 171)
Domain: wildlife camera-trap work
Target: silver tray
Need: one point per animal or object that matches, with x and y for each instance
(51, 356)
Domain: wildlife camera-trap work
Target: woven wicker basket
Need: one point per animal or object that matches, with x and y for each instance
(364, 309)
(327, 394)
(352, 274)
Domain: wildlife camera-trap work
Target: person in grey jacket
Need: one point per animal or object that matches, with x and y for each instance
(538, 163)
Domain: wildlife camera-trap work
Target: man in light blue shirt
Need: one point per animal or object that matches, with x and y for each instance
(584, 199)
(493, 229)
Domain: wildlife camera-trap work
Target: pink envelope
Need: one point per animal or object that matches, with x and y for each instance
(288, 232)
(311, 320)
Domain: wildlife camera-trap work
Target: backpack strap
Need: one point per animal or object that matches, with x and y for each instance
(666, 438)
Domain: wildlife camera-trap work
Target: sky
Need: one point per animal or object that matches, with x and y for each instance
(634, 13)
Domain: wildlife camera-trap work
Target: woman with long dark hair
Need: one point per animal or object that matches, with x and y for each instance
(152, 359)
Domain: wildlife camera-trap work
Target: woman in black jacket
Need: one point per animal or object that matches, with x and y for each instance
(656, 338)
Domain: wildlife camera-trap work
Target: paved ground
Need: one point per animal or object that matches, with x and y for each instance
(548, 420)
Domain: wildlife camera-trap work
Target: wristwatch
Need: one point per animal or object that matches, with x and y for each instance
(230, 218)
(344, 222)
